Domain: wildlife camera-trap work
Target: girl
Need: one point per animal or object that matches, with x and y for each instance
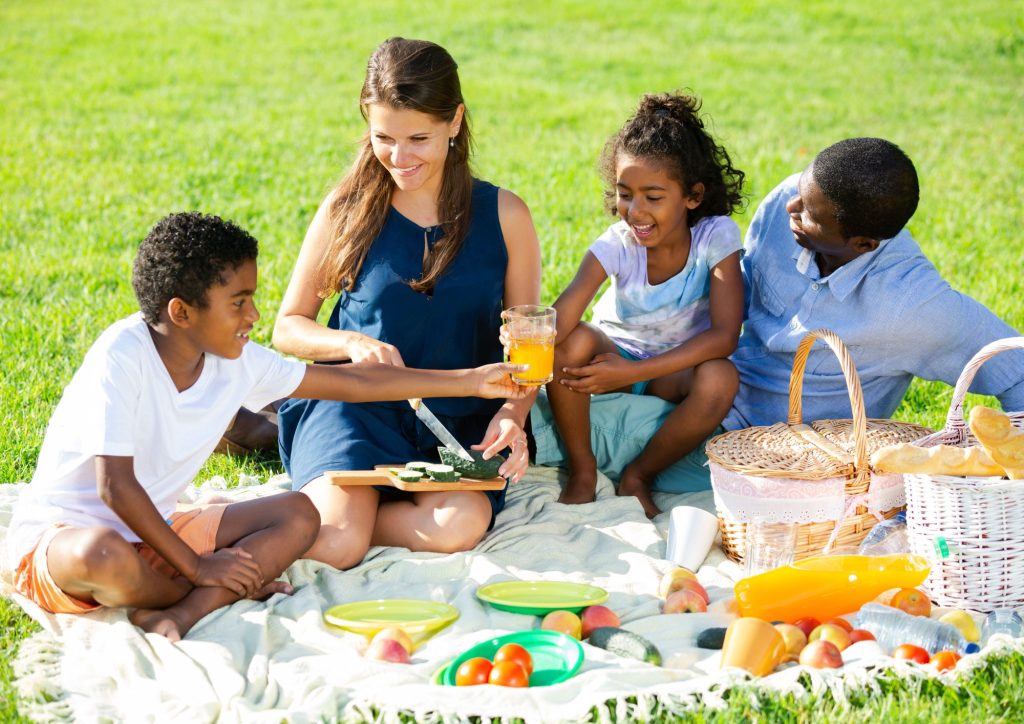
(672, 315)
(425, 257)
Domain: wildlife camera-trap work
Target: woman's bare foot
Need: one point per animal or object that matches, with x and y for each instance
(159, 622)
(631, 483)
(579, 488)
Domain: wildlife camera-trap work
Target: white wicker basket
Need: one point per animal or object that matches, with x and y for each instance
(981, 519)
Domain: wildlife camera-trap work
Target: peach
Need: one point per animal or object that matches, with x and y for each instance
(912, 601)
(821, 654)
(794, 638)
(841, 623)
(565, 621)
(832, 633)
(387, 650)
(691, 584)
(396, 634)
(807, 624)
(684, 600)
(595, 617)
(671, 580)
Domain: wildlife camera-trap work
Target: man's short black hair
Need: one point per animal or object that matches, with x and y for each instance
(183, 256)
(871, 184)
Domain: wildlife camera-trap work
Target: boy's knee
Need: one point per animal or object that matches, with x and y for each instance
(104, 554)
(300, 516)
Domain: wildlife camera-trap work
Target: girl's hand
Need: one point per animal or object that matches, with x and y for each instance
(495, 380)
(368, 349)
(505, 432)
(606, 372)
(503, 333)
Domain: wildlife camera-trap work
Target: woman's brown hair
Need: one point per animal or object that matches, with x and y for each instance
(405, 74)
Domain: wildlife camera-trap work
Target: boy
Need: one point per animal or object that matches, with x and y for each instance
(98, 525)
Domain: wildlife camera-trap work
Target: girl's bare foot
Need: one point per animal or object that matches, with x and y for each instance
(631, 483)
(579, 488)
(158, 622)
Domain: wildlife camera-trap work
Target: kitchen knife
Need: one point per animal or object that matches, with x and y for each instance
(434, 425)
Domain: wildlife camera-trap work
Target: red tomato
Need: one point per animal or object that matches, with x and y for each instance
(911, 653)
(515, 652)
(945, 660)
(859, 634)
(508, 673)
(473, 672)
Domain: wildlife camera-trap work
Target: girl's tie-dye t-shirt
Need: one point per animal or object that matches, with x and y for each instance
(647, 319)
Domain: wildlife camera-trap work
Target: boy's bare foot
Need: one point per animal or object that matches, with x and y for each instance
(631, 483)
(158, 622)
(271, 588)
(579, 488)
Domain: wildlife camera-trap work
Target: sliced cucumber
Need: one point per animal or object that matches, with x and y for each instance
(442, 473)
(409, 476)
(625, 643)
(421, 466)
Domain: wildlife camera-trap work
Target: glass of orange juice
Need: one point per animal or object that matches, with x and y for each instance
(531, 342)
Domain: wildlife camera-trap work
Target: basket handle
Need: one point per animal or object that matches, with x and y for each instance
(955, 417)
(796, 386)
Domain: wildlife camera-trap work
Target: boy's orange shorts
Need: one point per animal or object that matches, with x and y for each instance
(197, 527)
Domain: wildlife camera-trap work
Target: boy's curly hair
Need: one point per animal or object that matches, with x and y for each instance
(667, 127)
(184, 255)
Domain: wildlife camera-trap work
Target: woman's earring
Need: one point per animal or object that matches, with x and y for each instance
(451, 142)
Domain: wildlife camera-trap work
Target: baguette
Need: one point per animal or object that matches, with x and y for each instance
(938, 460)
(1001, 440)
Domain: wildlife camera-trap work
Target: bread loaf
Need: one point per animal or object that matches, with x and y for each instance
(1001, 440)
(938, 460)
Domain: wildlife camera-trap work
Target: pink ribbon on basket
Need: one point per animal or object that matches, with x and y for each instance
(885, 492)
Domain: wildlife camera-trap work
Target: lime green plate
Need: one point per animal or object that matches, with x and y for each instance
(419, 619)
(540, 597)
(556, 657)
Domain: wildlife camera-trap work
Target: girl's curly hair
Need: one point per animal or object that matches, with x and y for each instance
(668, 128)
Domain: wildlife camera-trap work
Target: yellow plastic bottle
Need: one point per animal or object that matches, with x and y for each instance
(826, 586)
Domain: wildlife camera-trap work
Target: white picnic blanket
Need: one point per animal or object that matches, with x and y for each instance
(276, 660)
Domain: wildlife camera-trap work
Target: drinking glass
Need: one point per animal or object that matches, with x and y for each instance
(531, 342)
(769, 545)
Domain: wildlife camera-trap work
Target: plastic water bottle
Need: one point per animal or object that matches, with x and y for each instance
(888, 537)
(893, 627)
(1002, 621)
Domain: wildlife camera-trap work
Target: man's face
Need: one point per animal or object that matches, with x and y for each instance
(812, 219)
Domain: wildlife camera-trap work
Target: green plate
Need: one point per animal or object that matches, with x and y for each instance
(541, 597)
(556, 657)
(420, 619)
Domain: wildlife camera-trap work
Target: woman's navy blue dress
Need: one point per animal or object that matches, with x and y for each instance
(454, 327)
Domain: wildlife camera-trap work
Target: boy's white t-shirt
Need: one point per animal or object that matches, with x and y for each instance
(122, 402)
(647, 319)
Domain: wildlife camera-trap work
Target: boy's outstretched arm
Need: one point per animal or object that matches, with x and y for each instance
(231, 568)
(368, 382)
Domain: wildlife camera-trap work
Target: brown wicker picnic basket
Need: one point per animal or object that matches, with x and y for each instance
(980, 520)
(816, 475)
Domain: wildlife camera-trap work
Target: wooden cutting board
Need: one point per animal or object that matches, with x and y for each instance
(381, 476)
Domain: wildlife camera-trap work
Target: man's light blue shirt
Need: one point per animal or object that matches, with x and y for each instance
(891, 308)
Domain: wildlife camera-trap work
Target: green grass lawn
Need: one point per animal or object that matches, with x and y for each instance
(115, 113)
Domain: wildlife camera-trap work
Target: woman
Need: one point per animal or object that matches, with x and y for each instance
(425, 257)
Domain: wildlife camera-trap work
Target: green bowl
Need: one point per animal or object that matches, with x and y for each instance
(541, 597)
(556, 657)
